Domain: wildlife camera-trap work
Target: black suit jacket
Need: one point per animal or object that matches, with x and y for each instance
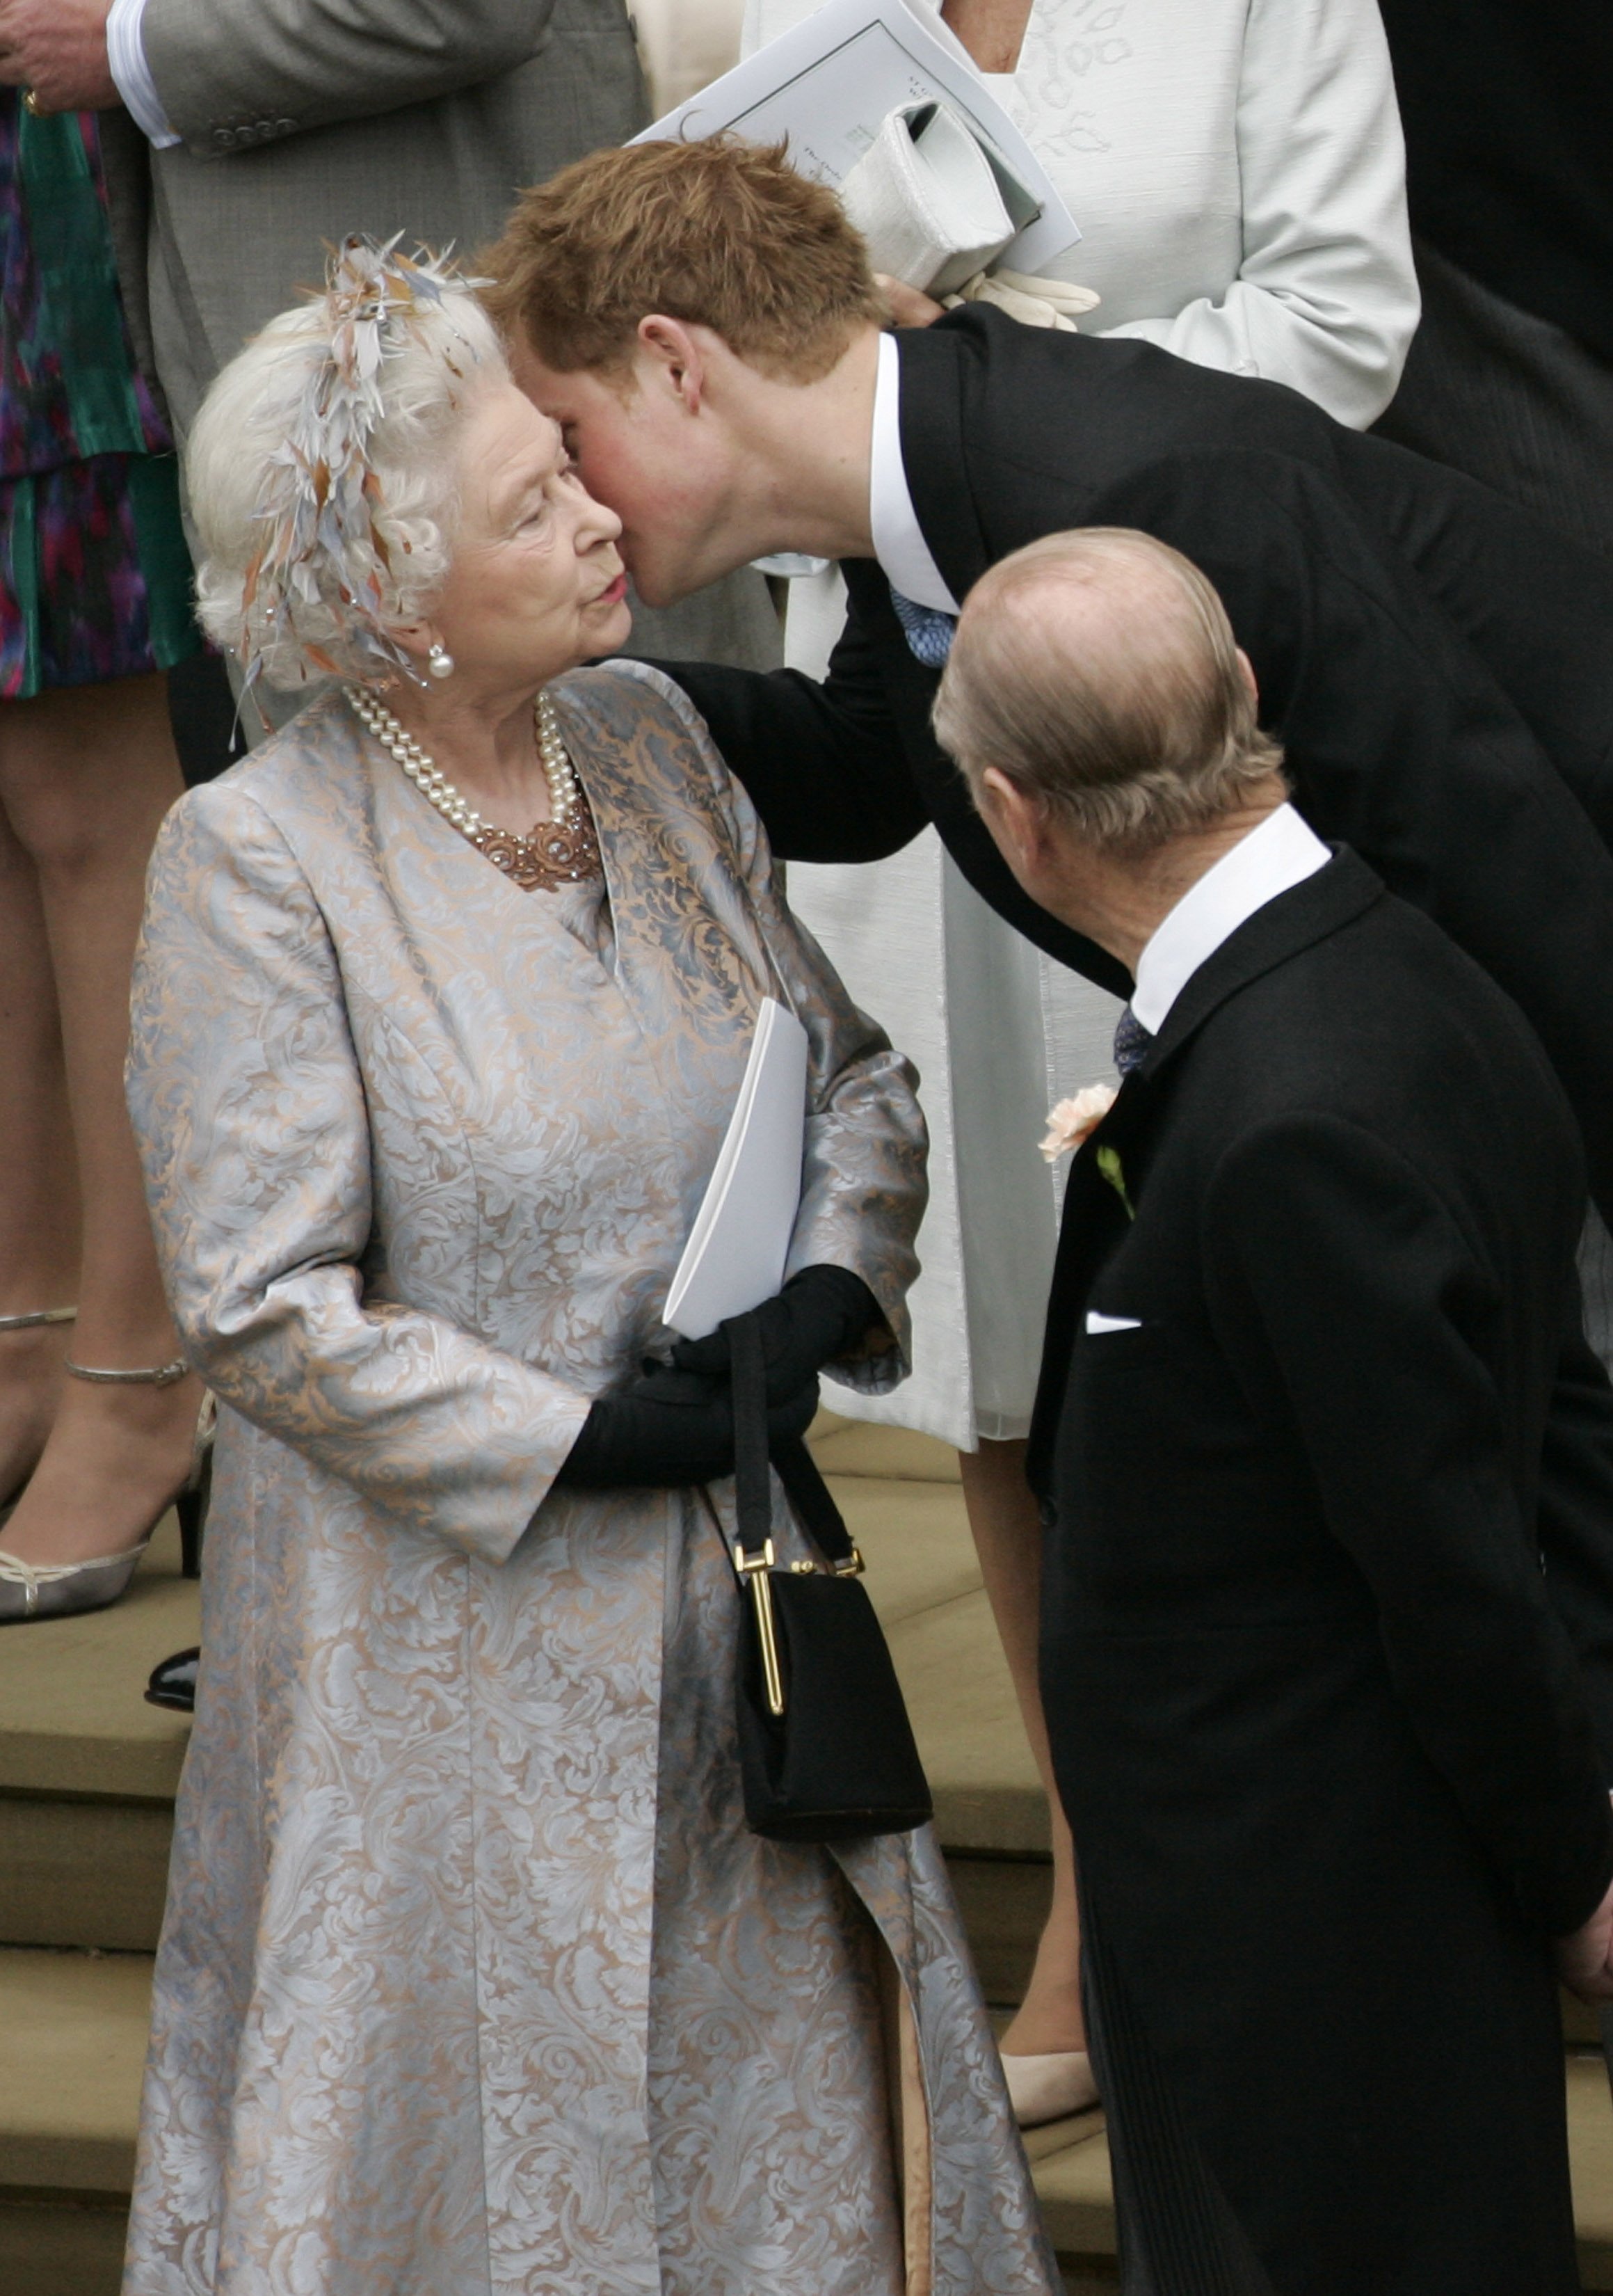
(1324, 1742)
(1439, 668)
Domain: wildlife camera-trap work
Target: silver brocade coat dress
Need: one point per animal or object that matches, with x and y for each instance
(472, 1979)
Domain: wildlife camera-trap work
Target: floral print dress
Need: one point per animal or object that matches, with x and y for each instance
(94, 577)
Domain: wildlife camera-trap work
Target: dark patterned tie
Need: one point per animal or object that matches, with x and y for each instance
(929, 633)
(1132, 1041)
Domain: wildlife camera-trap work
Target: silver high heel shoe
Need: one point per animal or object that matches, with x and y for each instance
(59, 1590)
(55, 1590)
(31, 1322)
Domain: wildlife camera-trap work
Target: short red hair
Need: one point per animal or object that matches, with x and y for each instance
(719, 234)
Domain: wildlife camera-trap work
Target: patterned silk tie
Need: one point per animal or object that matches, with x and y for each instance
(929, 633)
(1132, 1041)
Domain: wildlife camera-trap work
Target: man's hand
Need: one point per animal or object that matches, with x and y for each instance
(1584, 1958)
(58, 49)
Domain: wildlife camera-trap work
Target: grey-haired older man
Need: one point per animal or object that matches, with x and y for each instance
(1315, 1410)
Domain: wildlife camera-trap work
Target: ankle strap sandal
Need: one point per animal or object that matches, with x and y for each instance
(148, 1375)
(190, 1504)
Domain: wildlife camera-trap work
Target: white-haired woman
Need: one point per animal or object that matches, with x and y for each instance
(472, 1979)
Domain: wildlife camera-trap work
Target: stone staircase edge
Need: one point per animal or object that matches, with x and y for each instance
(116, 1769)
(1000, 1822)
(45, 2165)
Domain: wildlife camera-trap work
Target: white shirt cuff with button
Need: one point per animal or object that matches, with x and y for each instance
(126, 60)
(1280, 853)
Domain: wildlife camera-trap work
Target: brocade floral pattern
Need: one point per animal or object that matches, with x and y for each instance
(472, 1982)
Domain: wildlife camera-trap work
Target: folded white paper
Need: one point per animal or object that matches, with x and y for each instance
(829, 83)
(734, 1257)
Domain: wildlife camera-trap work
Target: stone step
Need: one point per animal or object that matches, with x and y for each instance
(925, 1583)
(72, 1717)
(72, 2040)
(88, 1769)
(1071, 2166)
(87, 1776)
(72, 2043)
(991, 1813)
(850, 1447)
(87, 1773)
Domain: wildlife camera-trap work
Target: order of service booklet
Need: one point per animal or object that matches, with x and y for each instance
(828, 85)
(734, 1257)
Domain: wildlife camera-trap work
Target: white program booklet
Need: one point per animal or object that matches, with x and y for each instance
(828, 84)
(734, 1257)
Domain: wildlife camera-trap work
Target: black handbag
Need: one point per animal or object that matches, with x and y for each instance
(826, 1750)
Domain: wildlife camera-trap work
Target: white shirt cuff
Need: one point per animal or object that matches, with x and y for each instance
(126, 59)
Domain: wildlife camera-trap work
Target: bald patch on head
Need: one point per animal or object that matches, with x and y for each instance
(1098, 669)
(1076, 600)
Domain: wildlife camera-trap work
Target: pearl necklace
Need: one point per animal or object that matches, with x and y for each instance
(562, 850)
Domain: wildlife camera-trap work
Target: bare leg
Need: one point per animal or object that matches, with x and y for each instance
(1008, 1539)
(86, 775)
(38, 1184)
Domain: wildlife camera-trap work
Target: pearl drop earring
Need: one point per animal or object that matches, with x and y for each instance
(439, 662)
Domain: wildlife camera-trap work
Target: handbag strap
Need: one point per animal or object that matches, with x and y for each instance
(814, 1502)
(798, 1470)
(747, 1377)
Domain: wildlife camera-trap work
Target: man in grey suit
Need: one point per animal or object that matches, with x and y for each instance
(240, 135)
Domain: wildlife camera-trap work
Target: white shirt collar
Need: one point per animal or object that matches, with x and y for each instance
(1282, 851)
(898, 540)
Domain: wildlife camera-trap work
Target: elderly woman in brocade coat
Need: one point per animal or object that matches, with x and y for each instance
(472, 1979)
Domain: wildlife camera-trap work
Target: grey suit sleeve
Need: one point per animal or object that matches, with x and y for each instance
(236, 73)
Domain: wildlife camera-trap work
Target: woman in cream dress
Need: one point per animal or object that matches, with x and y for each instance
(1237, 172)
(473, 1979)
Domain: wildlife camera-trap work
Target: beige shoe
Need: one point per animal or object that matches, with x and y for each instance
(1050, 2087)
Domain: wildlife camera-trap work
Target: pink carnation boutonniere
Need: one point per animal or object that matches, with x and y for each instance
(1071, 1121)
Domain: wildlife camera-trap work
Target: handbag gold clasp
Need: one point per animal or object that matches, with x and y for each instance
(853, 1567)
(754, 1569)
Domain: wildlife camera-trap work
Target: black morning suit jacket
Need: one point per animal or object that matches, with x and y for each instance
(1438, 667)
(1326, 1745)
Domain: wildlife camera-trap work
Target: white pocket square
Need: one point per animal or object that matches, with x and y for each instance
(1097, 1323)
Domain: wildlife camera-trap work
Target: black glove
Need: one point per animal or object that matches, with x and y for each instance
(821, 1314)
(669, 1429)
